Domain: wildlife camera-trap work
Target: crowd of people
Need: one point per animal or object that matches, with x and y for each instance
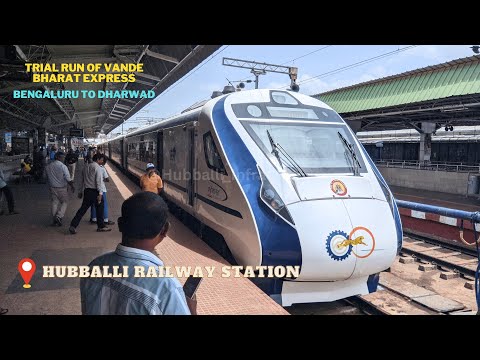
(46, 166)
(143, 224)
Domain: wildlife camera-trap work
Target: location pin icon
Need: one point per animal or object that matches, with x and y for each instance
(26, 267)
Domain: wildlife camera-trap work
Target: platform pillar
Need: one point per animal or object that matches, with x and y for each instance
(426, 142)
(425, 147)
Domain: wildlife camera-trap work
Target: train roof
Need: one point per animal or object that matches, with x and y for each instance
(195, 109)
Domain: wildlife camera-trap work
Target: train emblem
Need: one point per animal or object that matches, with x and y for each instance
(338, 187)
(340, 245)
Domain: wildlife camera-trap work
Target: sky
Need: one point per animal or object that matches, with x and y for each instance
(320, 68)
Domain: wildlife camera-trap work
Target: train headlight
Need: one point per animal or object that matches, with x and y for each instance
(277, 204)
(271, 198)
(268, 194)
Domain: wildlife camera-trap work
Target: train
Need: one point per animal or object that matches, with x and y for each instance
(281, 180)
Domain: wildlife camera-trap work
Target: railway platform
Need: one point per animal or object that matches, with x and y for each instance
(29, 235)
(453, 201)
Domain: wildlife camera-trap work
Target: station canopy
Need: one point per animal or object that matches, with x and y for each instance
(444, 94)
(163, 66)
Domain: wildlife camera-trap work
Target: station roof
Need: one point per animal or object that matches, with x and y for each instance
(163, 66)
(447, 93)
(459, 134)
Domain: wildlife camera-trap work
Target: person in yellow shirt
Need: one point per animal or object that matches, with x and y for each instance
(151, 181)
(25, 167)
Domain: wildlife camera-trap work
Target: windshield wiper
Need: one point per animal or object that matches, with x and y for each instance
(293, 164)
(351, 151)
(274, 148)
(289, 162)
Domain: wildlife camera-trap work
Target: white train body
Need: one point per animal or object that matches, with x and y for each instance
(218, 163)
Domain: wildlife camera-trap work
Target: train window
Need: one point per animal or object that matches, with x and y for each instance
(316, 148)
(212, 157)
(283, 98)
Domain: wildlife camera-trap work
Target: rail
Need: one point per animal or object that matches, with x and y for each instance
(432, 166)
(473, 217)
(454, 213)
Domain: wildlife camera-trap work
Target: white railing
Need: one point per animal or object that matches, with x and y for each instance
(432, 165)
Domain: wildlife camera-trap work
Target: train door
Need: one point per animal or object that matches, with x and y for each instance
(191, 164)
(160, 153)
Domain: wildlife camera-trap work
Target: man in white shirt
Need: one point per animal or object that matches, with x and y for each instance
(93, 210)
(143, 224)
(8, 194)
(91, 189)
(58, 178)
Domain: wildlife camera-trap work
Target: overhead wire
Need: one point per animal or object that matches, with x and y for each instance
(196, 69)
(190, 74)
(300, 57)
(310, 53)
(359, 63)
(328, 73)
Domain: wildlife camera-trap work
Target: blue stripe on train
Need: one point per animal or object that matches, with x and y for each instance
(280, 242)
(396, 214)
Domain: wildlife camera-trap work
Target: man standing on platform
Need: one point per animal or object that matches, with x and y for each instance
(93, 210)
(59, 179)
(8, 194)
(151, 181)
(91, 183)
(53, 151)
(71, 162)
(143, 226)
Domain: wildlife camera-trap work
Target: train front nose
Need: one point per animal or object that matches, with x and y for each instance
(341, 239)
(323, 227)
(373, 234)
(344, 231)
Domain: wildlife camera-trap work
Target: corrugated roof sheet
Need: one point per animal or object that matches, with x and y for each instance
(457, 77)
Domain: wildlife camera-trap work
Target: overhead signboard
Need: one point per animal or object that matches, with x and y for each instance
(76, 142)
(76, 132)
(20, 145)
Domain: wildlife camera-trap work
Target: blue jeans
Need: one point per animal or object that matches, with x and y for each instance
(93, 210)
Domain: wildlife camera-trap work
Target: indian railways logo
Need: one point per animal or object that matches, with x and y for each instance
(340, 245)
(338, 187)
(336, 247)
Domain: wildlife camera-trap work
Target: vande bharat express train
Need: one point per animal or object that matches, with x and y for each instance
(284, 181)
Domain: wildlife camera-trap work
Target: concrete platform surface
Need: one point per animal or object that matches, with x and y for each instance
(29, 235)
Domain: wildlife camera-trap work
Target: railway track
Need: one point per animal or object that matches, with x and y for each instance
(447, 256)
(430, 277)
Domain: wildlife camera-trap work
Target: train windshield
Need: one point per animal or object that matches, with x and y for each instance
(316, 148)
